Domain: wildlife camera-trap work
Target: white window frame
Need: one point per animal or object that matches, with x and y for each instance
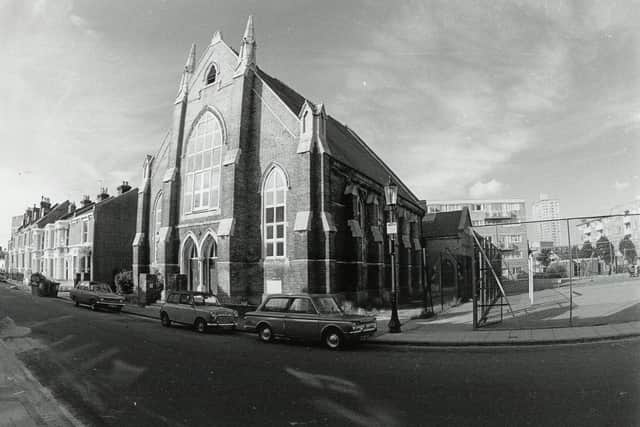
(273, 225)
(208, 187)
(85, 231)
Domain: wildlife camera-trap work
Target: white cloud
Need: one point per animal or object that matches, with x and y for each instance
(481, 190)
(619, 186)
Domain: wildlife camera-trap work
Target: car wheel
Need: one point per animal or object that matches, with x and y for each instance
(265, 333)
(75, 301)
(201, 325)
(164, 319)
(92, 305)
(333, 339)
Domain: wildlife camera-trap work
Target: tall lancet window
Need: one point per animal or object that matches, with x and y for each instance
(203, 164)
(157, 224)
(275, 202)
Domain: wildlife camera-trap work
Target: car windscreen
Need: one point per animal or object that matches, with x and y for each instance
(100, 288)
(205, 300)
(327, 305)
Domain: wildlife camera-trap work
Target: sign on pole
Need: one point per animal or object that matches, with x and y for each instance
(392, 228)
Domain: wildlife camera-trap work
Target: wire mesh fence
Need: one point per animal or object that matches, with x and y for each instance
(568, 272)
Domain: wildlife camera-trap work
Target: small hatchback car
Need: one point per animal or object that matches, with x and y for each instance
(199, 309)
(308, 317)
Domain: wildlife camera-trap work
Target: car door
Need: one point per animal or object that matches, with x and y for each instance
(171, 306)
(81, 295)
(274, 311)
(185, 309)
(301, 319)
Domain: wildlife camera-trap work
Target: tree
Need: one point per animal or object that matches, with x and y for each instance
(628, 249)
(587, 250)
(544, 257)
(605, 251)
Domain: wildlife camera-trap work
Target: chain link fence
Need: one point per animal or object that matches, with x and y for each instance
(568, 272)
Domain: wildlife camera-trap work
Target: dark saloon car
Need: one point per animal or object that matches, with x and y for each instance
(308, 317)
(96, 295)
(198, 309)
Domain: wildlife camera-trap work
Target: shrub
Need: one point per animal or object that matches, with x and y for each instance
(124, 282)
(557, 269)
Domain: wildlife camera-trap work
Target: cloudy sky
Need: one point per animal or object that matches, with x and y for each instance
(464, 99)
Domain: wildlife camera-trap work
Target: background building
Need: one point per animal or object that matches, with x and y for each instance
(547, 209)
(92, 241)
(257, 190)
(623, 225)
(26, 252)
(496, 219)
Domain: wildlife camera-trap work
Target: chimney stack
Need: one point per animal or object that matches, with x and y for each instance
(103, 195)
(72, 207)
(86, 200)
(124, 187)
(45, 205)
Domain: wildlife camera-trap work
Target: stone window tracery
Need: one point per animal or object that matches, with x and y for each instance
(203, 162)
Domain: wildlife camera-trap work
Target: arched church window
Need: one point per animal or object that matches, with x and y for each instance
(212, 74)
(274, 201)
(157, 224)
(203, 164)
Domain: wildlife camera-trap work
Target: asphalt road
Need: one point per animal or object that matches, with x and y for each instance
(119, 370)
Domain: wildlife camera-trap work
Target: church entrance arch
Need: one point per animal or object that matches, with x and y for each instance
(209, 257)
(190, 263)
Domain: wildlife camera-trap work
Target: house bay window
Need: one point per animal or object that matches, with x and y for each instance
(203, 161)
(274, 202)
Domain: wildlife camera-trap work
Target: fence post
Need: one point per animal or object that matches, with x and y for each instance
(570, 275)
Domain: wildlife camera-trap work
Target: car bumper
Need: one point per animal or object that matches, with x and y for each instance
(114, 305)
(365, 333)
(224, 326)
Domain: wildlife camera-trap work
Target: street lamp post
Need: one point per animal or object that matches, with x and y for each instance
(391, 198)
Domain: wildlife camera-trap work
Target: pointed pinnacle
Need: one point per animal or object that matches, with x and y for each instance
(248, 32)
(190, 65)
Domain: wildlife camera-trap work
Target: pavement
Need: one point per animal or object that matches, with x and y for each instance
(24, 401)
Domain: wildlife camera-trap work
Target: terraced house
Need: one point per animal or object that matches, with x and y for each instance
(258, 190)
(65, 243)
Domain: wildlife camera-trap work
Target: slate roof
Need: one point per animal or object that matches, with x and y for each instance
(52, 216)
(444, 224)
(343, 143)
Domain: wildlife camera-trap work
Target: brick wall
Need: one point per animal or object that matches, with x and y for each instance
(114, 230)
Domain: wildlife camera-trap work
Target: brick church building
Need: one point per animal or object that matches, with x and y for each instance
(257, 190)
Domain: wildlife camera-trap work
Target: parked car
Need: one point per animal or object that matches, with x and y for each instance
(95, 295)
(199, 309)
(308, 317)
(43, 287)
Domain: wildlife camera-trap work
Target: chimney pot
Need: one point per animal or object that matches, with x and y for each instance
(86, 200)
(124, 187)
(104, 194)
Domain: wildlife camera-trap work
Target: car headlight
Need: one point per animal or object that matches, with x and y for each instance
(357, 327)
(213, 316)
(235, 313)
(100, 299)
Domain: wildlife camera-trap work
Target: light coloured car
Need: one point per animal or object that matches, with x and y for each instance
(308, 317)
(96, 295)
(198, 309)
